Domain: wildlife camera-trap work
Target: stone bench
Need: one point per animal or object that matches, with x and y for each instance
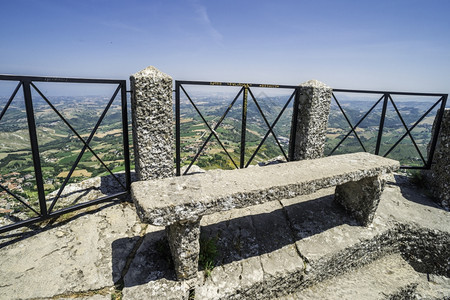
(180, 202)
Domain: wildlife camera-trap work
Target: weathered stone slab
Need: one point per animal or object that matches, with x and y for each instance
(385, 276)
(80, 256)
(361, 198)
(47, 265)
(167, 201)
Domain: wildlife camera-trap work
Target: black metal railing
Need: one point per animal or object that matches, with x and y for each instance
(45, 211)
(386, 98)
(244, 94)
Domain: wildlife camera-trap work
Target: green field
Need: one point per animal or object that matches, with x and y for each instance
(59, 148)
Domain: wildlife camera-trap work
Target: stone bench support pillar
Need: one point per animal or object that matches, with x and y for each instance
(184, 242)
(361, 198)
(312, 121)
(152, 114)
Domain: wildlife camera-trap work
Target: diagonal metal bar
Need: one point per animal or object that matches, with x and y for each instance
(413, 126)
(294, 124)
(357, 124)
(31, 121)
(215, 127)
(348, 121)
(18, 198)
(271, 128)
(76, 133)
(209, 127)
(113, 198)
(437, 129)
(10, 100)
(406, 127)
(80, 155)
(267, 123)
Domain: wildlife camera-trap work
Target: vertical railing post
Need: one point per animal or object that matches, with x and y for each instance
(34, 146)
(436, 130)
(294, 124)
(381, 127)
(243, 127)
(126, 141)
(152, 112)
(311, 114)
(177, 129)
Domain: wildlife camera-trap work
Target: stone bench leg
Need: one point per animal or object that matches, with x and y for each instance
(361, 198)
(184, 242)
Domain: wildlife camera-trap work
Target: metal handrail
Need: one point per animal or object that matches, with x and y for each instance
(27, 83)
(387, 98)
(245, 90)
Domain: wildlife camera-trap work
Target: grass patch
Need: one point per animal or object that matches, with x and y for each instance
(208, 254)
(416, 178)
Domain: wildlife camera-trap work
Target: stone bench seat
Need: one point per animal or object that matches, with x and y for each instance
(179, 202)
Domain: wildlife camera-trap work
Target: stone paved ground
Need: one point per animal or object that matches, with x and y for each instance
(378, 280)
(267, 251)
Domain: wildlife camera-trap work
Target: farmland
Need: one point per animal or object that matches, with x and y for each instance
(60, 148)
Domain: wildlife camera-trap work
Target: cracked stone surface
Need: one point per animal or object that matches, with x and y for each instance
(193, 196)
(79, 256)
(378, 280)
(265, 251)
(93, 297)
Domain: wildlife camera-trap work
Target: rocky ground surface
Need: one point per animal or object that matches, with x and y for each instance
(386, 278)
(302, 248)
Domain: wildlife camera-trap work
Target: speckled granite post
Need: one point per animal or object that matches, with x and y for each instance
(152, 113)
(361, 198)
(312, 120)
(438, 177)
(184, 245)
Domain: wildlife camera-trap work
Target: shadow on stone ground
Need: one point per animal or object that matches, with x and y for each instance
(20, 234)
(414, 193)
(238, 238)
(73, 194)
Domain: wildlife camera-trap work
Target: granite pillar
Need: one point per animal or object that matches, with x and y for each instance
(438, 177)
(312, 120)
(184, 237)
(152, 114)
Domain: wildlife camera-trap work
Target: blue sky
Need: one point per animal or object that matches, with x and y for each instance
(384, 45)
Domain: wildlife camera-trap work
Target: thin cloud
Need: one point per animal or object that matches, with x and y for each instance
(205, 21)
